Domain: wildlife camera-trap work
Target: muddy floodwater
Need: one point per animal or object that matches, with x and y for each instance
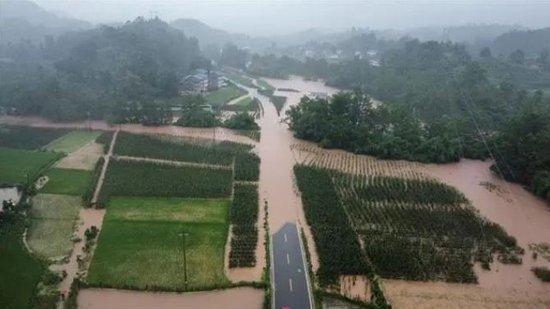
(217, 133)
(237, 298)
(519, 212)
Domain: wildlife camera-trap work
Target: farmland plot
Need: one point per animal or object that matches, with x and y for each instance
(132, 178)
(411, 229)
(67, 181)
(141, 244)
(177, 149)
(244, 216)
(29, 138)
(17, 165)
(53, 217)
(72, 141)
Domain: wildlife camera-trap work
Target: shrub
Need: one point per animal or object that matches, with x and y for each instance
(543, 273)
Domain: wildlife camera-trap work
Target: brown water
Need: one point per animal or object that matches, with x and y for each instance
(237, 298)
(209, 133)
(518, 211)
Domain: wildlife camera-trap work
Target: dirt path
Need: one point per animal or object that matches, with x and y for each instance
(104, 169)
(171, 162)
(237, 298)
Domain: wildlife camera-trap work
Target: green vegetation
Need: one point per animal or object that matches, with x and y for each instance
(265, 85)
(412, 229)
(23, 166)
(177, 149)
(130, 178)
(67, 181)
(98, 72)
(337, 244)
(247, 167)
(141, 244)
(72, 141)
(526, 160)
(220, 97)
(28, 138)
(241, 121)
(543, 273)
(196, 112)
(244, 217)
(246, 104)
(252, 134)
(52, 217)
(241, 79)
(19, 271)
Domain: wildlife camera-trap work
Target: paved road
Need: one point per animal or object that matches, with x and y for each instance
(289, 270)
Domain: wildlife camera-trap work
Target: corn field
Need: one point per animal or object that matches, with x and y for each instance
(244, 217)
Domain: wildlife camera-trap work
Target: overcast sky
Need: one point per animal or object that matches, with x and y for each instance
(285, 16)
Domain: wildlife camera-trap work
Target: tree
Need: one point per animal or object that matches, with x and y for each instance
(485, 53)
(517, 56)
(241, 121)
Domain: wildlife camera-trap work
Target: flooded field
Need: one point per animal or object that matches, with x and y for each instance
(519, 212)
(217, 133)
(237, 298)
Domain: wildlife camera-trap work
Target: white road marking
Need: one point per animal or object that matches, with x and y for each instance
(290, 283)
(286, 240)
(288, 258)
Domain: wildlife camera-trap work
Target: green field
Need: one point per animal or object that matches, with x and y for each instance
(52, 220)
(29, 138)
(130, 178)
(221, 96)
(19, 271)
(18, 165)
(140, 245)
(265, 85)
(72, 141)
(67, 181)
(177, 149)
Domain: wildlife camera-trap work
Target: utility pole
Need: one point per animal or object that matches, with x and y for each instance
(184, 243)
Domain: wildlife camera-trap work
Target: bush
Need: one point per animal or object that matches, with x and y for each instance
(543, 273)
(241, 121)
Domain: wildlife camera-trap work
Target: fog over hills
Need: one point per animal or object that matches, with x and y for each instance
(24, 19)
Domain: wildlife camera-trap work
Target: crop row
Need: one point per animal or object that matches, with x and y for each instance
(380, 188)
(132, 178)
(421, 229)
(177, 149)
(244, 217)
(337, 243)
(247, 167)
(29, 138)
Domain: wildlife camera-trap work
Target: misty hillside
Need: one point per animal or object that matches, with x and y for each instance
(531, 42)
(204, 33)
(26, 20)
(92, 70)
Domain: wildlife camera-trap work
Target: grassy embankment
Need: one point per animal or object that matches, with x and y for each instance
(220, 97)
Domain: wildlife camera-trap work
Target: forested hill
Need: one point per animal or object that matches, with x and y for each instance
(87, 73)
(531, 42)
(24, 20)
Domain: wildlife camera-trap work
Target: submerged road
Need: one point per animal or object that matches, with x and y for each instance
(289, 273)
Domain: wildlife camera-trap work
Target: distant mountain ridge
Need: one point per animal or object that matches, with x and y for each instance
(25, 20)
